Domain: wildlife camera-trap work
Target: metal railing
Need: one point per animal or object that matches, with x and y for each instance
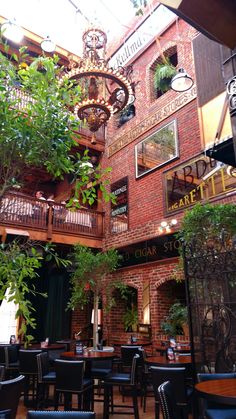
(21, 210)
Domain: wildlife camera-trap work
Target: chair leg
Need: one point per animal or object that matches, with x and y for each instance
(135, 404)
(157, 410)
(106, 402)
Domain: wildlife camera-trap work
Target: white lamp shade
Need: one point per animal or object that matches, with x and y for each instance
(48, 45)
(12, 31)
(181, 81)
(99, 317)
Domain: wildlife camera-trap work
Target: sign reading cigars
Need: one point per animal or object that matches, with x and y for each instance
(199, 179)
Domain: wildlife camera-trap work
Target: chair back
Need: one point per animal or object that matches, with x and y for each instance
(134, 369)
(127, 354)
(11, 355)
(2, 372)
(43, 365)
(69, 375)
(10, 392)
(5, 414)
(28, 361)
(59, 414)
(2, 355)
(177, 377)
(168, 404)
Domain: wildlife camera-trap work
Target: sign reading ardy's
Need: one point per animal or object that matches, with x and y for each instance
(199, 179)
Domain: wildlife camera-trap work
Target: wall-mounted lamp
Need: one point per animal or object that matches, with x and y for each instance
(48, 45)
(12, 31)
(99, 317)
(165, 226)
(181, 81)
(231, 171)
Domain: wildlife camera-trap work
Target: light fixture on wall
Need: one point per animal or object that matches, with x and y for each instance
(48, 45)
(104, 90)
(12, 31)
(99, 317)
(181, 81)
(165, 226)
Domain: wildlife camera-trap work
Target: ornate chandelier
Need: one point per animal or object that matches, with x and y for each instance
(104, 90)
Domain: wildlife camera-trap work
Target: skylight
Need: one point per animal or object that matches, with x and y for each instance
(65, 20)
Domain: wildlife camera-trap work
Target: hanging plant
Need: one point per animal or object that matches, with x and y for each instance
(163, 74)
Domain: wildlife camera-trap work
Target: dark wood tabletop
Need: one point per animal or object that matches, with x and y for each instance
(138, 343)
(221, 391)
(87, 355)
(50, 347)
(163, 361)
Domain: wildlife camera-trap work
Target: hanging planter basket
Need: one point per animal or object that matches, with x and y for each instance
(164, 72)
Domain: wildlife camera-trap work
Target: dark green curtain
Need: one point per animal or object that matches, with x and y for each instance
(57, 319)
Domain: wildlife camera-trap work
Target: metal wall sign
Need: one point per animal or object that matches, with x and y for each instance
(119, 210)
(198, 179)
(159, 248)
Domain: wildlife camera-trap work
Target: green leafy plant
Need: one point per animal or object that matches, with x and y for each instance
(130, 319)
(90, 270)
(41, 131)
(19, 264)
(209, 222)
(163, 74)
(175, 320)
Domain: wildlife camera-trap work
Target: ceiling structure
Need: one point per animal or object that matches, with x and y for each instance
(66, 20)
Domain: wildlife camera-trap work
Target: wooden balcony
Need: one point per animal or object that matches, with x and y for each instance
(49, 221)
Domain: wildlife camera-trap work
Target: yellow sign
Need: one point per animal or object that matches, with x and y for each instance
(200, 179)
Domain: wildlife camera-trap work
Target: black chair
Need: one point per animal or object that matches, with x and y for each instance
(100, 369)
(126, 381)
(12, 360)
(46, 377)
(10, 391)
(50, 414)
(145, 380)
(5, 414)
(127, 355)
(167, 401)
(70, 380)
(229, 413)
(2, 372)
(177, 377)
(29, 368)
(207, 405)
(2, 355)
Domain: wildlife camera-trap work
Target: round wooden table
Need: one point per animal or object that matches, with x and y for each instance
(50, 347)
(220, 391)
(162, 361)
(138, 343)
(86, 356)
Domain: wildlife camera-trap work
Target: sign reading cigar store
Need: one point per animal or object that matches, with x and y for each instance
(159, 248)
(199, 179)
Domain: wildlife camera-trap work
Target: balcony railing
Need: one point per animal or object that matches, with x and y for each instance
(20, 210)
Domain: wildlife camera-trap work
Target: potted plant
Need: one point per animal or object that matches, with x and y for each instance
(130, 319)
(176, 320)
(163, 74)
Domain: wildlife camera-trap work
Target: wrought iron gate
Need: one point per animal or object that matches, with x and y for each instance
(210, 272)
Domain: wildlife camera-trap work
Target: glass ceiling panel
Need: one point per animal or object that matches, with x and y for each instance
(65, 20)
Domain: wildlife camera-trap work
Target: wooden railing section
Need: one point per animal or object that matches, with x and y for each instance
(22, 211)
